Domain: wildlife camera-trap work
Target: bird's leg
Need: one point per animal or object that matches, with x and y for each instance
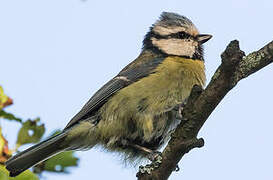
(154, 156)
(151, 154)
(141, 148)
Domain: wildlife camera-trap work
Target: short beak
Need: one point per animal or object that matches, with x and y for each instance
(202, 38)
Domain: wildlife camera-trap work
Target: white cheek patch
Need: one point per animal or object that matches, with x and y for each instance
(178, 47)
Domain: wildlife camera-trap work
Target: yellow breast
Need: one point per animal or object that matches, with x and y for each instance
(170, 84)
(138, 104)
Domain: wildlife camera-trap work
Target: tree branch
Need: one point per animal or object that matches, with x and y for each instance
(234, 67)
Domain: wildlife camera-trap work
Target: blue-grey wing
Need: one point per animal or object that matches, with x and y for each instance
(130, 74)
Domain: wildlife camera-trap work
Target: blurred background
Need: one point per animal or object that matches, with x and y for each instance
(54, 55)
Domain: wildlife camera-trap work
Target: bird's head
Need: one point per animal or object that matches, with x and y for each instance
(174, 34)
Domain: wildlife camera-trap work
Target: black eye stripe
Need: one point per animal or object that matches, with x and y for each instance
(178, 35)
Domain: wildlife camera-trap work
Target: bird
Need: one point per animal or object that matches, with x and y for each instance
(134, 113)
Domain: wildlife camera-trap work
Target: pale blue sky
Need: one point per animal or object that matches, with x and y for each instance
(54, 54)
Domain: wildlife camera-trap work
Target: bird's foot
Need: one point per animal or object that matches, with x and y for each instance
(156, 158)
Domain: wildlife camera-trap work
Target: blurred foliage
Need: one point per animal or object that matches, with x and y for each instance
(58, 163)
(31, 131)
(4, 99)
(5, 153)
(9, 116)
(27, 175)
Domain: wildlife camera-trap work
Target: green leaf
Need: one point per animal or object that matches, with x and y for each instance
(60, 162)
(30, 132)
(27, 175)
(9, 116)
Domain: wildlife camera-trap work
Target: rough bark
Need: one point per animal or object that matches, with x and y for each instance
(234, 67)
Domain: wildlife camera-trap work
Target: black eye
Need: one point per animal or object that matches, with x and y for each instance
(182, 35)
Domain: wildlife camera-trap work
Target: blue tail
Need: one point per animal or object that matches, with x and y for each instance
(35, 154)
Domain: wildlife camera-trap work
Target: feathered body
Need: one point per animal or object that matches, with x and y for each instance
(141, 112)
(135, 108)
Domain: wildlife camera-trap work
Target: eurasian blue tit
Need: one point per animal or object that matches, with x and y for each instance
(133, 112)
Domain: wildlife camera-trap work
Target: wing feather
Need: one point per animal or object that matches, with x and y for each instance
(130, 74)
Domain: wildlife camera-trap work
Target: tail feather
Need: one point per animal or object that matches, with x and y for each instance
(35, 154)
